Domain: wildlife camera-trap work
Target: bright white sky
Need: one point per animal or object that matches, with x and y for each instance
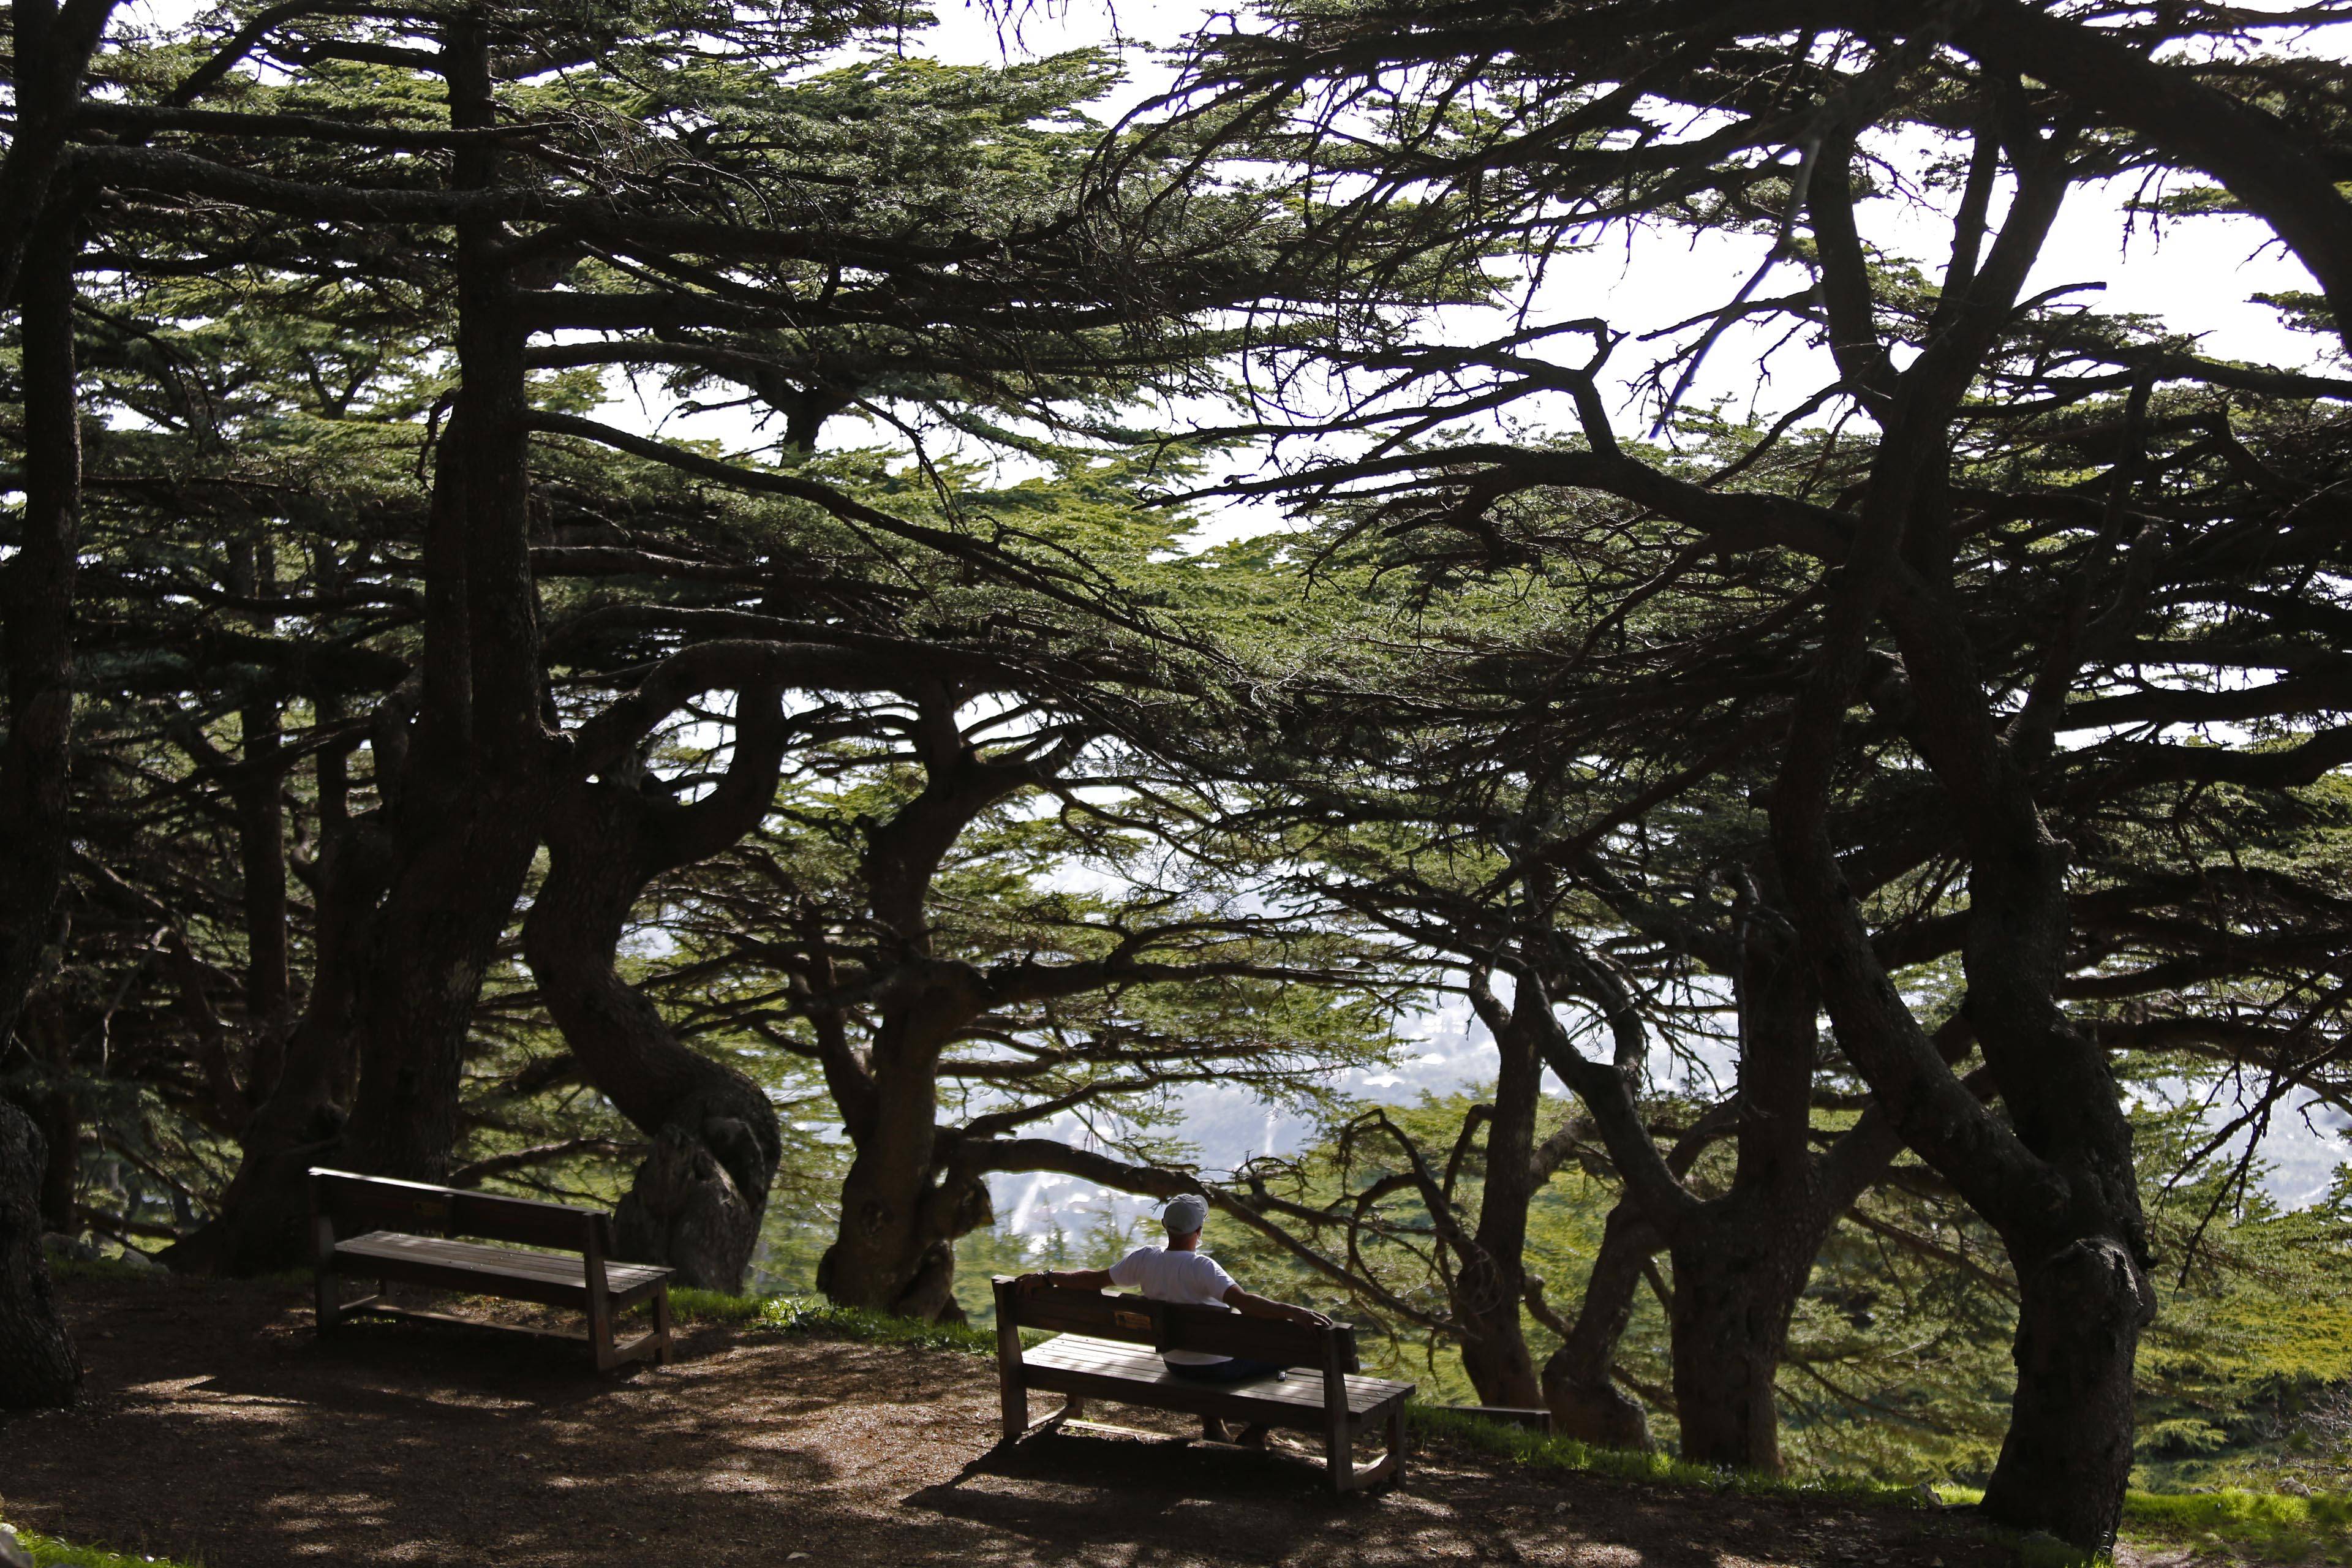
(2196, 276)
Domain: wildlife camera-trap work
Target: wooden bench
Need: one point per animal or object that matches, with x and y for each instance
(403, 1231)
(1107, 1347)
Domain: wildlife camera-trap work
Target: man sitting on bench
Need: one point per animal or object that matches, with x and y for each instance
(1182, 1272)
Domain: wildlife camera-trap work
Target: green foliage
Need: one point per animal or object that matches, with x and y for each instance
(819, 1319)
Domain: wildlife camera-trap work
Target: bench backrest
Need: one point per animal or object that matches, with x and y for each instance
(354, 1204)
(1168, 1326)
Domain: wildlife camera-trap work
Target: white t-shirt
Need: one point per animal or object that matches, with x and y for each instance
(1164, 1275)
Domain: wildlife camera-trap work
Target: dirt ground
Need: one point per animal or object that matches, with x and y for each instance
(220, 1431)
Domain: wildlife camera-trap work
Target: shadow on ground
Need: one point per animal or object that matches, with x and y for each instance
(219, 1430)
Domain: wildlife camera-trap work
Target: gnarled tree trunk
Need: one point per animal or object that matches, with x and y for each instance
(1742, 1259)
(38, 1368)
(1579, 1382)
(905, 1201)
(1492, 1281)
(2067, 1455)
(901, 1206)
(697, 1198)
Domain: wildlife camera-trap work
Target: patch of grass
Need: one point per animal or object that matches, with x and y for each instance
(49, 1552)
(1529, 1446)
(105, 1270)
(2271, 1525)
(823, 1320)
(2275, 1524)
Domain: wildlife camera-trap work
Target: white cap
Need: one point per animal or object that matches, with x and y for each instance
(1185, 1213)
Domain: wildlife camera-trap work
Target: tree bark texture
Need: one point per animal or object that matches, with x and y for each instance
(1491, 1282)
(1741, 1260)
(905, 1200)
(467, 821)
(261, 854)
(902, 1207)
(37, 624)
(2067, 1455)
(1578, 1383)
(699, 1196)
(53, 46)
(38, 1367)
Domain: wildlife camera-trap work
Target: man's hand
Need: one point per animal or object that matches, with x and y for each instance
(1313, 1319)
(1030, 1284)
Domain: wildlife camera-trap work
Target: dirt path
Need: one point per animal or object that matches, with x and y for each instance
(219, 1431)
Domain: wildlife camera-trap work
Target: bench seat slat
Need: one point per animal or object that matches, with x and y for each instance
(551, 1278)
(1300, 1393)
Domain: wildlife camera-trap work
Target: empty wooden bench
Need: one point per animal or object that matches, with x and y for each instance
(1107, 1347)
(404, 1232)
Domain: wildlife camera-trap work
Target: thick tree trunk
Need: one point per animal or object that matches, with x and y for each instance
(1742, 1260)
(2067, 1456)
(467, 821)
(38, 1368)
(894, 1252)
(2057, 1180)
(901, 1209)
(905, 1202)
(53, 47)
(1738, 1275)
(439, 929)
(37, 622)
(698, 1199)
(59, 1121)
(261, 854)
(1577, 1382)
(1492, 1283)
(463, 790)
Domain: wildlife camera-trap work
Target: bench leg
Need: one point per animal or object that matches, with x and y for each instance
(1012, 1385)
(1340, 1457)
(327, 1284)
(662, 1324)
(1015, 1403)
(1396, 1446)
(600, 1331)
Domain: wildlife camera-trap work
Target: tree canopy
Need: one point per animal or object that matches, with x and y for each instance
(612, 599)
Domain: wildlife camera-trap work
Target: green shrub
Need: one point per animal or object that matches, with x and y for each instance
(822, 1320)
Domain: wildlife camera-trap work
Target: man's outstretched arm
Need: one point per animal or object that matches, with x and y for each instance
(1250, 1305)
